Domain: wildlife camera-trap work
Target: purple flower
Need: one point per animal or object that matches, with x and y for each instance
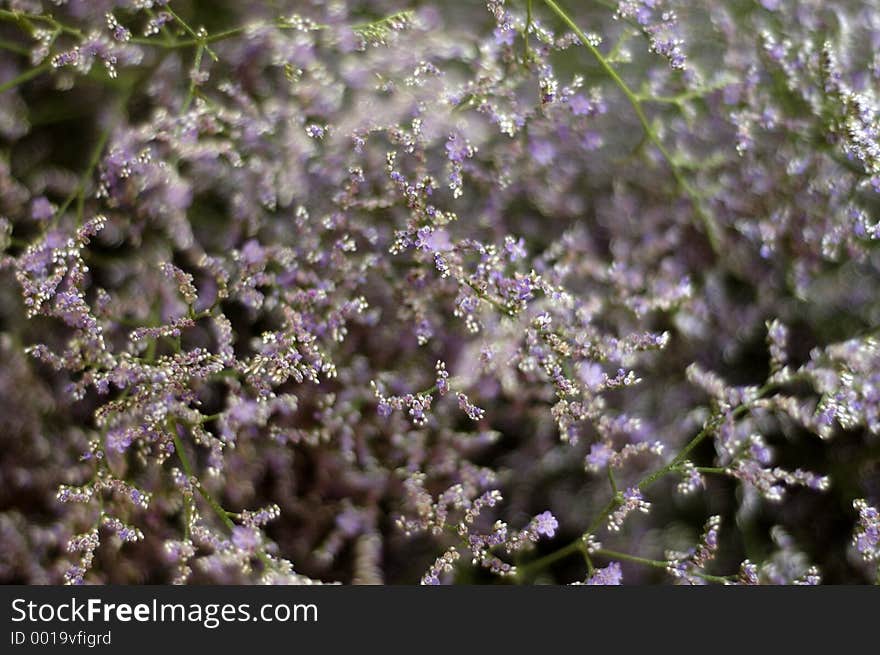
(582, 106)
(867, 535)
(504, 36)
(42, 209)
(458, 149)
(383, 409)
(546, 524)
(542, 151)
(244, 412)
(316, 131)
(245, 538)
(610, 575)
(253, 253)
(599, 456)
(591, 374)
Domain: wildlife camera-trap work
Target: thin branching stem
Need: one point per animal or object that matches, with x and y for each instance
(711, 229)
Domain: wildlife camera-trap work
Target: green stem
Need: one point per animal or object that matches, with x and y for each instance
(719, 470)
(708, 429)
(684, 97)
(657, 564)
(612, 481)
(221, 513)
(24, 19)
(167, 36)
(647, 481)
(78, 194)
(14, 47)
(547, 560)
(93, 164)
(197, 65)
(526, 50)
(712, 232)
(507, 311)
(615, 51)
(199, 38)
(29, 74)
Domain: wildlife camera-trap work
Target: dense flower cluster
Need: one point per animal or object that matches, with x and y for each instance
(386, 292)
